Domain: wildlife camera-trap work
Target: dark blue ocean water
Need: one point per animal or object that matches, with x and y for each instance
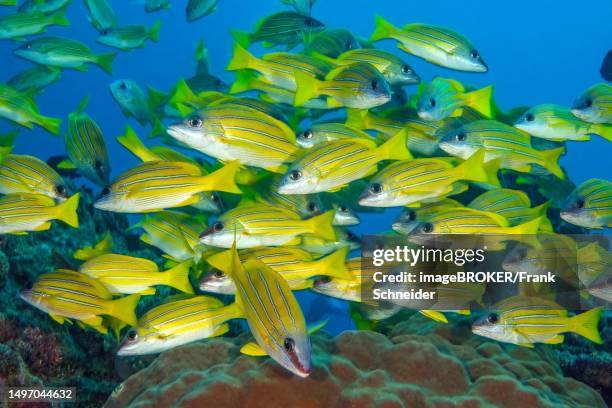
(541, 51)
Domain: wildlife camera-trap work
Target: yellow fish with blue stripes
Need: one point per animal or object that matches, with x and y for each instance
(501, 142)
(154, 186)
(590, 205)
(295, 265)
(514, 205)
(395, 70)
(20, 213)
(595, 104)
(409, 181)
(357, 85)
(231, 132)
(438, 45)
(279, 67)
(526, 320)
(253, 224)
(557, 123)
(174, 233)
(86, 147)
(122, 274)
(210, 201)
(66, 294)
(28, 174)
(273, 315)
(331, 166)
(177, 322)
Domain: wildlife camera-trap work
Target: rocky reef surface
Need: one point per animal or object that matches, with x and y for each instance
(418, 364)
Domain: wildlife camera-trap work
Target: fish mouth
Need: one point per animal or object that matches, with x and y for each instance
(302, 370)
(205, 234)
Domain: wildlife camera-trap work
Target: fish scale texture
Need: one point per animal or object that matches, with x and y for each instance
(416, 365)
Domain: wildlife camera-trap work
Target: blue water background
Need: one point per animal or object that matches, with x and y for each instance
(537, 51)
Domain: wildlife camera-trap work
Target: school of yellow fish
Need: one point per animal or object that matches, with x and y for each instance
(296, 146)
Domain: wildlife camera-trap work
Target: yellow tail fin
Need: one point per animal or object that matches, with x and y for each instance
(395, 148)
(321, 225)
(105, 61)
(383, 29)
(333, 265)
(52, 125)
(183, 95)
(105, 246)
(67, 211)
(124, 309)
(154, 31)
(357, 118)
(604, 130)
(585, 324)
(480, 100)
(434, 315)
(244, 82)
(527, 228)
(131, 142)
(223, 179)
(221, 260)
(551, 161)
(178, 277)
(307, 88)
(474, 169)
(242, 59)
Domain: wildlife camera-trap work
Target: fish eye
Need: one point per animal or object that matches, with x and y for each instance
(411, 215)
(132, 335)
(493, 318)
(405, 69)
(60, 190)
(522, 254)
(322, 280)
(376, 188)
(588, 102)
(309, 22)
(195, 122)
(375, 85)
(307, 134)
(28, 45)
(348, 45)
(218, 274)
(475, 54)
(99, 165)
(105, 32)
(215, 198)
(289, 345)
(427, 227)
(106, 191)
(579, 203)
(123, 85)
(350, 236)
(311, 206)
(218, 82)
(432, 102)
(218, 226)
(529, 117)
(295, 175)
(343, 208)
(460, 137)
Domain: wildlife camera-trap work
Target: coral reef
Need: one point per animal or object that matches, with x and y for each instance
(588, 362)
(419, 364)
(34, 350)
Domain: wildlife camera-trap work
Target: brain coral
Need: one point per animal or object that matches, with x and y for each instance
(360, 369)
